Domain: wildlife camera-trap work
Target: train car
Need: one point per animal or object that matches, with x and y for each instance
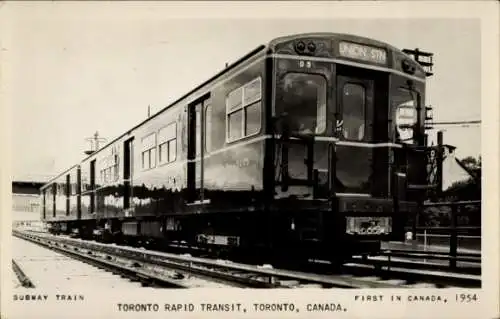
(309, 146)
(59, 201)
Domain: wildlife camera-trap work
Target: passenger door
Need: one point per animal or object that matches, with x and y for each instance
(127, 173)
(196, 150)
(355, 96)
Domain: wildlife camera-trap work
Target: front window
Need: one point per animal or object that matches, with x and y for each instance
(353, 111)
(304, 102)
(405, 107)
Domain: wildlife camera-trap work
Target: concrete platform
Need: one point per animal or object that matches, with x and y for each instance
(50, 270)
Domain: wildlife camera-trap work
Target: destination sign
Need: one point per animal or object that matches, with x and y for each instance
(362, 52)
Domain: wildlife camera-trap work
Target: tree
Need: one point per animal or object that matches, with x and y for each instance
(472, 165)
(469, 189)
(465, 190)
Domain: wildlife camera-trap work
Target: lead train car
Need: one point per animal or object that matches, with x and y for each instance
(307, 147)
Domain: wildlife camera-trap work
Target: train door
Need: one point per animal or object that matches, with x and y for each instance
(68, 193)
(127, 172)
(92, 187)
(355, 98)
(78, 193)
(362, 121)
(196, 150)
(301, 106)
(44, 203)
(54, 194)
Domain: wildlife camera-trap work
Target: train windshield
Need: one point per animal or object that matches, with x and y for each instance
(405, 104)
(304, 102)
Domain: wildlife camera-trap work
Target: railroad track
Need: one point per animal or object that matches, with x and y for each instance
(21, 276)
(180, 270)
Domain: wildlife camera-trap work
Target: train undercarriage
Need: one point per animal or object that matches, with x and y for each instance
(283, 237)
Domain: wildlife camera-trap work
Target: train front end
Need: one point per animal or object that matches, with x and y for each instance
(347, 140)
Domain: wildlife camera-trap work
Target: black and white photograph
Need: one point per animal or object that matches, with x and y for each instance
(152, 152)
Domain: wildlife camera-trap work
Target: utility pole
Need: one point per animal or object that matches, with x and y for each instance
(94, 143)
(440, 159)
(425, 59)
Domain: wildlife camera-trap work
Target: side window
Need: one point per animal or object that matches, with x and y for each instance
(115, 167)
(68, 186)
(243, 110)
(149, 151)
(109, 169)
(102, 171)
(198, 130)
(208, 128)
(353, 111)
(44, 203)
(167, 141)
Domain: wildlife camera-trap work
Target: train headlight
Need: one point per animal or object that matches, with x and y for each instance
(305, 48)
(311, 47)
(408, 67)
(300, 47)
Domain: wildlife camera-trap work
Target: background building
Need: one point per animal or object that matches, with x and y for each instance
(25, 200)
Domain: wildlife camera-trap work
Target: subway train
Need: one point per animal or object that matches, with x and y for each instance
(310, 146)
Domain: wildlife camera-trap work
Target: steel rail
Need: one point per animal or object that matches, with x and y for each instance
(132, 273)
(21, 276)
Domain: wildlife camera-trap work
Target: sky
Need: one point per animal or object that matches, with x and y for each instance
(71, 74)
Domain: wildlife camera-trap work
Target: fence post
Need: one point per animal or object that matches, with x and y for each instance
(453, 237)
(425, 239)
(425, 244)
(416, 217)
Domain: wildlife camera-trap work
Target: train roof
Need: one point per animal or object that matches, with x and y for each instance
(50, 181)
(269, 46)
(224, 71)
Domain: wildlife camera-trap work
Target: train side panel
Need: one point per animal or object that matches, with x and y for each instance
(47, 200)
(233, 164)
(73, 193)
(160, 176)
(60, 183)
(86, 190)
(158, 165)
(109, 186)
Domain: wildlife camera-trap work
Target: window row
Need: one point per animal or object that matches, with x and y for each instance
(166, 140)
(243, 110)
(109, 172)
(62, 189)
